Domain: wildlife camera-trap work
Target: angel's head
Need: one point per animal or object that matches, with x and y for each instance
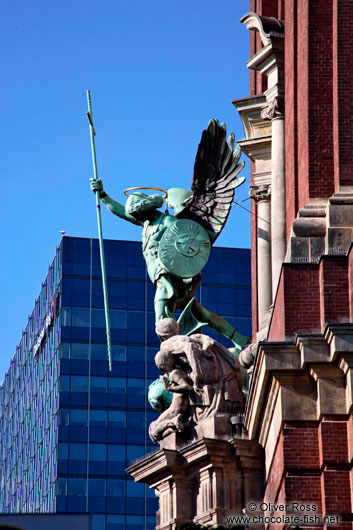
(139, 203)
(176, 199)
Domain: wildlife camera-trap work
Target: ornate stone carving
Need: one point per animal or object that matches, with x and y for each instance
(269, 28)
(260, 193)
(204, 378)
(273, 109)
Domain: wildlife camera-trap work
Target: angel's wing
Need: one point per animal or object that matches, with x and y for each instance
(214, 180)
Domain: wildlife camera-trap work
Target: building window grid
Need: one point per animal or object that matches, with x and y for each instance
(34, 438)
(26, 396)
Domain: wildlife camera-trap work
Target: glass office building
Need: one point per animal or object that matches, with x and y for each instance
(68, 426)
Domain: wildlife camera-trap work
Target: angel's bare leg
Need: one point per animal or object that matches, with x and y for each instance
(162, 300)
(219, 324)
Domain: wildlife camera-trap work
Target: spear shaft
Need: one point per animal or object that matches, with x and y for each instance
(100, 232)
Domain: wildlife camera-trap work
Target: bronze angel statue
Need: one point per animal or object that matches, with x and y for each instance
(176, 247)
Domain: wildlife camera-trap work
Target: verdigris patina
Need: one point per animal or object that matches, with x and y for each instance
(176, 247)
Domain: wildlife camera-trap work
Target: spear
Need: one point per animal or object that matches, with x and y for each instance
(100, 233)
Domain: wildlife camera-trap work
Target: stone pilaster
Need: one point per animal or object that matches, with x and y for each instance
(278, 201)
(257, 146)
(270, 62)
(261, 195)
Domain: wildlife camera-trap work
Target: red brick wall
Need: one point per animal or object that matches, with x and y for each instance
(311, 465)
(343, 91)
(301, 445)
(313, 460)
(335, 96)
(269, 8)
(297, 305)
(315, 98)
(333, 441)
(291, 133)
(337, 491)
(301, 299)
(320, 100)
(281, 10)
(303, 103)
(309, 296)
(305, 489)
(334, 290)
(309, 102)
(295, 470)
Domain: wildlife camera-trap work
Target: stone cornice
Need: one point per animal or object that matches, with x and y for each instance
(300, 381)
(250, 113)
(155, 465)
(256, 147)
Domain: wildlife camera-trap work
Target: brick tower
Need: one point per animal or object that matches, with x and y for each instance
(298, 126)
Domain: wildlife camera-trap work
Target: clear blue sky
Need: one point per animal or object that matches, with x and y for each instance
(158, 71)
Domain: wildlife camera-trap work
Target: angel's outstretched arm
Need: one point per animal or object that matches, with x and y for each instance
(115, 207)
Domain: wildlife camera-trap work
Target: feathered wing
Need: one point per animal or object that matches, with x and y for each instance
(214, 180)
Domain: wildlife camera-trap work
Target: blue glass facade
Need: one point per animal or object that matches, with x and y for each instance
(68, 426)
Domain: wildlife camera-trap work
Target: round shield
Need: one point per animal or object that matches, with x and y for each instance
(184, 248)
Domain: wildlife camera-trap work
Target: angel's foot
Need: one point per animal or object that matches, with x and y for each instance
(239, 340)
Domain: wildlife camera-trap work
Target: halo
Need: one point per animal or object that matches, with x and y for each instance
(146, 188)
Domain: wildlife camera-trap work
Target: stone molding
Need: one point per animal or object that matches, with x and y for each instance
(203, 481)
(322, 226)
(299, 381)
(250, 113)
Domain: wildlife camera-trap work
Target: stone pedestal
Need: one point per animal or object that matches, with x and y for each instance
(204, 481)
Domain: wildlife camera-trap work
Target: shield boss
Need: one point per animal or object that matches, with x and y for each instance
(184, 248)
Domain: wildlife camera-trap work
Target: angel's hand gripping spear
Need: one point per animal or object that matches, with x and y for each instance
(100, 233)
